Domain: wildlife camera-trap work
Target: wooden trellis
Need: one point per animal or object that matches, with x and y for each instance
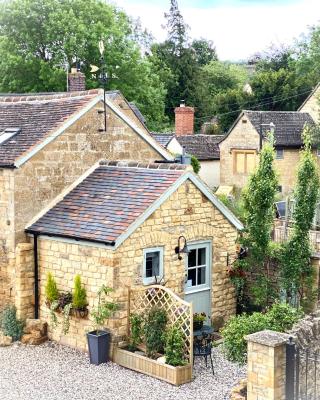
(179, 312)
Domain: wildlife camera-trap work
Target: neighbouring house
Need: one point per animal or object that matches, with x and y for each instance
(120, 226)
(239, 149)
(312, 104)
(204, 147)
(47, 141)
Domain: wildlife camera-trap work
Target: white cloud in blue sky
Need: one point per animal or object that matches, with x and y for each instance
(238, 28)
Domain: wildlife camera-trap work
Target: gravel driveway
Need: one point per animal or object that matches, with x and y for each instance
(52, 371)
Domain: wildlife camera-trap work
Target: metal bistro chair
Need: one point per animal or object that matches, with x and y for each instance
(202, 346)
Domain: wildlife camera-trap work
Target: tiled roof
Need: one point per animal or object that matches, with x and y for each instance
(37, 116)
(204, 147)
(108, 201)
(162, 138)
(288, 125)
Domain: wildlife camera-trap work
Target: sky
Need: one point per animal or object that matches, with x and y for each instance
(238, 28)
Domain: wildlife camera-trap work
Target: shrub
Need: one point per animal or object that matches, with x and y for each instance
(195, 163)
(154, 328)
(280, 317)
(10, 325)
(235, 331)
(136, 325)
(174, 347)
(79, 297)
(51, 289)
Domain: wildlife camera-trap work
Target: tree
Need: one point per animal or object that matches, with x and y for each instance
(40, 39)
(296, 271)
(205, 52)
(259, 198)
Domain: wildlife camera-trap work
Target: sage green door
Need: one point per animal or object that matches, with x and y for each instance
(198, 277)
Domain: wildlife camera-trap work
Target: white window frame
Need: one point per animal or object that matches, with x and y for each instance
(207, 285)
(151, 280)
(281, 156)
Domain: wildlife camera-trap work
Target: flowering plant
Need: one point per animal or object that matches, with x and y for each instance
(199, 317)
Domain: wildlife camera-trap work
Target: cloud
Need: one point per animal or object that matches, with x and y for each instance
(238, 28)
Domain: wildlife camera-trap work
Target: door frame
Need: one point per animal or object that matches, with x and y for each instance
(195, 243)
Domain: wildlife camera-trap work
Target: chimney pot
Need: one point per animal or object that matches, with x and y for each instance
(184, 120)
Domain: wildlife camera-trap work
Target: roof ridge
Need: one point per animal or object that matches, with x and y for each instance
(275, 111)
(37, 97)
(143, 165)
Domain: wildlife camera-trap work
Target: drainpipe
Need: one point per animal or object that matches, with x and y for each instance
(36, 276)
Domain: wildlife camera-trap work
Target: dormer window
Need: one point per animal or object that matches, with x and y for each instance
(8, 133)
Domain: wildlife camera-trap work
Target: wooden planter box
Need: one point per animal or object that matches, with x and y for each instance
(164, 372)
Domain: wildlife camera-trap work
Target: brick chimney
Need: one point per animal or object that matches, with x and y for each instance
(76, 81)
(184, 120)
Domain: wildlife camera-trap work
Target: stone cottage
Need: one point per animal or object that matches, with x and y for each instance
(120, 226)
(239, 149)
(47, 141)
(312, 104)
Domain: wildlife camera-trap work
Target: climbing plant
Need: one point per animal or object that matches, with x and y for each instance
(296, 270)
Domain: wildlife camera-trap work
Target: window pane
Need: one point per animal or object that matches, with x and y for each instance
(152, 264)
(201, 256)
(192, 276)
(250, 163)
(201, 275)
(240, 160)
(192, 258)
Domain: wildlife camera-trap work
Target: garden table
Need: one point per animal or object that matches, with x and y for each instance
(206, 329)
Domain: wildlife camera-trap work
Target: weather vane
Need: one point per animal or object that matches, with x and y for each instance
(103, 79)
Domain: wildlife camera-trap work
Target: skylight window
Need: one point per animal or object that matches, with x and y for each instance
(8, 133)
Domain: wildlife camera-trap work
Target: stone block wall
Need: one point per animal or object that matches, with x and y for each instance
(243, 137)
(186, 212)
(7, 241)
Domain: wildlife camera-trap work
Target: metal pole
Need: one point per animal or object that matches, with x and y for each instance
(105, 107)
(290, 363)
(36, 276)
(260, 143)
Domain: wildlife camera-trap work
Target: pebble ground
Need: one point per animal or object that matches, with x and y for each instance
(55, 372)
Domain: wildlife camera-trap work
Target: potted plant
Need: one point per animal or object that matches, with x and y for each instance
(79, 299)
(99, 339)
(198, 320)
(51, 290)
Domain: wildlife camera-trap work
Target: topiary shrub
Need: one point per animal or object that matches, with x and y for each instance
(79, 296)
(280, 317)
(10, 325)
(174, 347)
(51, 290)
(154, 328)
(195, 163)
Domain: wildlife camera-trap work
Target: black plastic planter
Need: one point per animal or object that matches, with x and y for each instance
(98, 347)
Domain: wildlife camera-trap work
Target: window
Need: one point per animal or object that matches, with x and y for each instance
(198, 266)
(279, 154)
(8, 134)
(152, 264)
(318, 152)
(244, 161)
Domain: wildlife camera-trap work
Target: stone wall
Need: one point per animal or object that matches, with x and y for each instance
(244, 137)
(266, 374)
(186, 212)
(6, 234)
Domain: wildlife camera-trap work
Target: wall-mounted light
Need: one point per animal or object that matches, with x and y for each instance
(181, 250)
